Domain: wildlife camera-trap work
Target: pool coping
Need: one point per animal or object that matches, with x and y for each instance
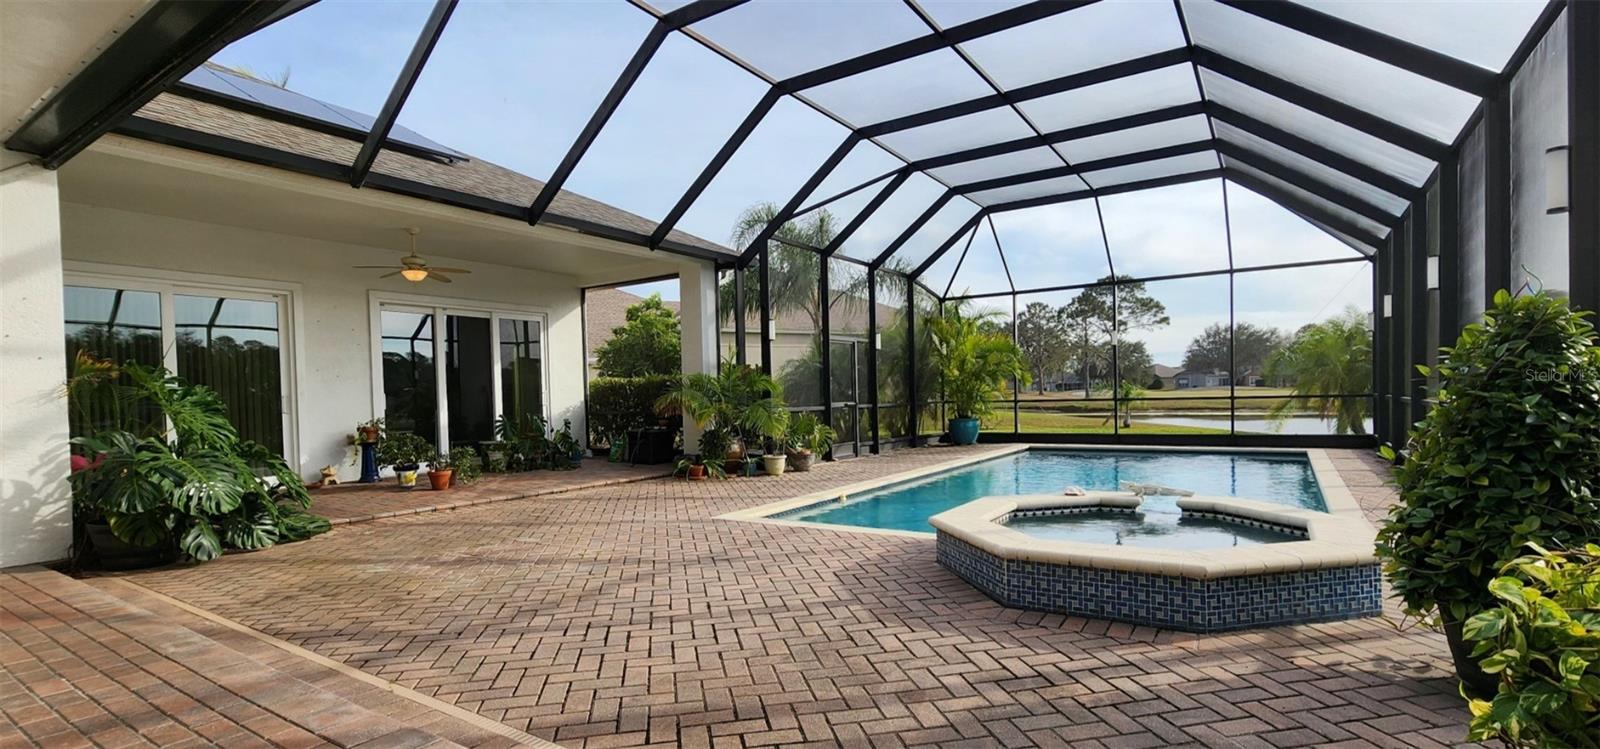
(1331, 540)
(1336, 495)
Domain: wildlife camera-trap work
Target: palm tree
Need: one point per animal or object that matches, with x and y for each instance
(1325, 361)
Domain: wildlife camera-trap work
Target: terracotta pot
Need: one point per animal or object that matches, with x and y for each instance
(440, 478)
(369, 434)
(697, 473)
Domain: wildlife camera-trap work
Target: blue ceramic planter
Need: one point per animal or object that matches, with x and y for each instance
(964, 431)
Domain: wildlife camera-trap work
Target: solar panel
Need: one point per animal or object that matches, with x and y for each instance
(219, 81)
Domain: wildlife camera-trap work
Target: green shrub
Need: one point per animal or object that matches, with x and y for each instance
(1508, 454)
(618, 404)
(1543, 644)
(468, 467)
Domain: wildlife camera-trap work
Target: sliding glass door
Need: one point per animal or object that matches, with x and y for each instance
(450, 388)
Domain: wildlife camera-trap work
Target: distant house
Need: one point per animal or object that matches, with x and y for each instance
(1168, 376)
(1189, 378)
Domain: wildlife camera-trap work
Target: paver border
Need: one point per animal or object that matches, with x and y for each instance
(430, 703)
(1336, 495)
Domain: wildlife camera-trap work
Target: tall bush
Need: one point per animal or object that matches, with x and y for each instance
(649, 343)
(1509, 454)
(618, 404)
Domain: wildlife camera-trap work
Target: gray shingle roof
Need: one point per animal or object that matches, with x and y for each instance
(472, 176)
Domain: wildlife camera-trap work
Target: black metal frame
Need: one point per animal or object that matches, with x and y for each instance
(174, 37)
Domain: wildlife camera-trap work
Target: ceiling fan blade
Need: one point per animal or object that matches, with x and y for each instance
(435, 276)
(373, 267)
(448, 270)
(387, 275)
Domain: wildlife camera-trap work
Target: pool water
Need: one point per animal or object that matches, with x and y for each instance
(1285, 479)
(1164, 530)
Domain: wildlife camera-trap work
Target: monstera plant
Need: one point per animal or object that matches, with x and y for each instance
(166, 474)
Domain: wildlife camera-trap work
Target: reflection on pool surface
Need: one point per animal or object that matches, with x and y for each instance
(1281, 478)
(1163, 530)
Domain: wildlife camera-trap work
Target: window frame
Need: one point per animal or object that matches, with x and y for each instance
(168, 283)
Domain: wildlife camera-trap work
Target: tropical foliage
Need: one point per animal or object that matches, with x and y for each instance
(184, 478)
(807, 432)
(648, 343)
(1508, 455)
(739, 401)
(1542, 643)
(975, 363)
(1325, 361)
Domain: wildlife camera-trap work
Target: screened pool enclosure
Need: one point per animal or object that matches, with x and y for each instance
(1204, 221)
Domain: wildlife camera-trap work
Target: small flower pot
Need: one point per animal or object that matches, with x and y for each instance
(439, 478)
(774, 464)
(369, 434)
(697, 473)
(406, 476)
(800, 460)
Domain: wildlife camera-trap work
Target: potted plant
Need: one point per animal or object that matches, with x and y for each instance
(468, 469)
(527, 441)
(975, 361)
(441, 468)
(370, 432)
(1508, 454)
(738, 402)
(808, 438)
(165, 474)
(1540, 643)
(495, 456)
(776, 434)
(404, 452)
(564, 450)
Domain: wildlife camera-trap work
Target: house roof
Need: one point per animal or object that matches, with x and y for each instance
(198, 112)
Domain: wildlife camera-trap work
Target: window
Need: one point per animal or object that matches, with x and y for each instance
(449, 389)
(230, 341)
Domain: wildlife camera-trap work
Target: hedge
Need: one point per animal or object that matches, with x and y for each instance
(617, 404)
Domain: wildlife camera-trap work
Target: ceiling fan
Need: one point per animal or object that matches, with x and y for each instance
(413, 268)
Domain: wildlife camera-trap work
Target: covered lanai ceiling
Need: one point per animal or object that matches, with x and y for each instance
(918, 124)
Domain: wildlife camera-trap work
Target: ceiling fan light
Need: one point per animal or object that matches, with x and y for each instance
(414, 275)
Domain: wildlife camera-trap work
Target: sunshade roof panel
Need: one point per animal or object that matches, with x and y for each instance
(1425, 106)
(1093, 36)
(1164, 87)
(784, 38)
(910, 86)
(1483, 32)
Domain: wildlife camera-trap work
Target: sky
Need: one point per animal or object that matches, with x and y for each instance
(514, 82)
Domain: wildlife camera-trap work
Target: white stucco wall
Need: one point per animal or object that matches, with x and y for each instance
(35, 504)
(331, 307)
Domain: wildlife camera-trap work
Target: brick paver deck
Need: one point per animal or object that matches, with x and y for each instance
(626, 615)
(354, 503)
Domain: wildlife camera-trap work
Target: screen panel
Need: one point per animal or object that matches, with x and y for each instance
(1365, 224)
(1314, 170)
(1053, 245)
(1191, 129)
(1317, 128)
(969, 131)
(1168, 167)
(1041, 188)
(1167, 230)
(1134, 94)
(1484, 33)
(784, 39)
(1430, 108)
(1265, 233)
(1003, 165)
(1081, 39)
(921, 83)
(902, 208)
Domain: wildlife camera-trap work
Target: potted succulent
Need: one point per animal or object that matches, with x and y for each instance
(975, 362)
(441, 468)
(404, 451)
(1509, 454)
(808, 438)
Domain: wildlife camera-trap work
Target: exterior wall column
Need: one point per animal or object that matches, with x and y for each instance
(697, 309)
(35, 500)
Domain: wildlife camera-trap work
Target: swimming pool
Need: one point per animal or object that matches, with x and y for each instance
(1282, 478)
